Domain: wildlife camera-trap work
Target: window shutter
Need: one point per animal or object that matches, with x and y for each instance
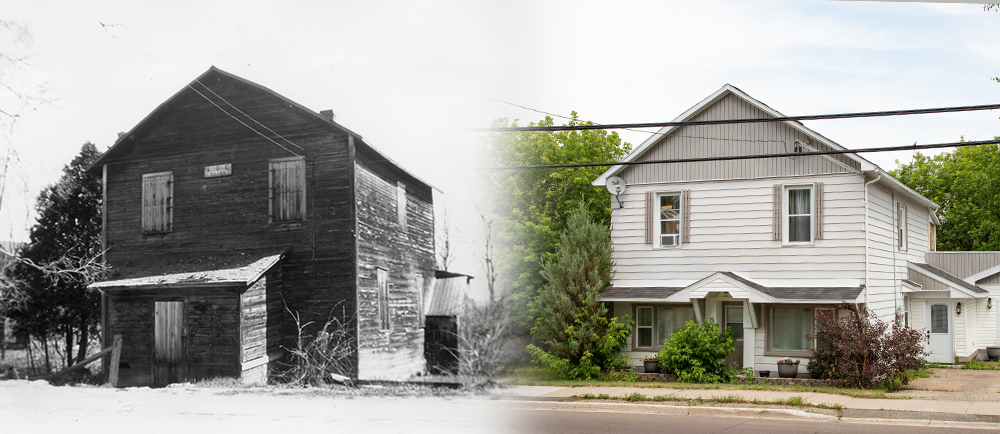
(288, 189)
(777, 212)
(818, 207)
(650, 210)
(401, 206)
(685, 216)
(157, 202)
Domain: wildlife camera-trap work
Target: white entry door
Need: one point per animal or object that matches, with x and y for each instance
(939, 331)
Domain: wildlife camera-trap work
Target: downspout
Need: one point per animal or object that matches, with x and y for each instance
(868, 235)
(895, 247)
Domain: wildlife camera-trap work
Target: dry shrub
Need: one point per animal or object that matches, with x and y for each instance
(484, 332)
(318, 358)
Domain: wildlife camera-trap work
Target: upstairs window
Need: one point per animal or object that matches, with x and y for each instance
(401, 206)
(901, 235)
(287, 189)
(157, 202)
(669, 220)
(799, 215)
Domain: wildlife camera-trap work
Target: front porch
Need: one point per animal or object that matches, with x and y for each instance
(768, 323)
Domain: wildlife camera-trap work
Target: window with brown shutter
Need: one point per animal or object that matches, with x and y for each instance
(157, 202)
(287, 185)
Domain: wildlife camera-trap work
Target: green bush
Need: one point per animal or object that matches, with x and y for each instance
(696, 353)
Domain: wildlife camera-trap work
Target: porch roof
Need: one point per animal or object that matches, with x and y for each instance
(633, 293)
(945, 277)
(243, 273)
(769, 294)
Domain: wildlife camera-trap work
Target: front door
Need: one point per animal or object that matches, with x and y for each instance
(168, 343)
(939, 330)
(734, 321)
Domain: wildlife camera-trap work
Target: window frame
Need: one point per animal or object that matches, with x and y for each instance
(382, 314)
(902, 227)
(168, 212)
(786, 224)
(657, 343)
(807, 352)
(657, 222)
(401, 200)
(272, 199)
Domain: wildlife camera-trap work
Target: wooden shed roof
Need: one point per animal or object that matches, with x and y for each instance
(241, 274)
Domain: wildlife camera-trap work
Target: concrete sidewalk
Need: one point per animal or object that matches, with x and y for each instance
(845, 402)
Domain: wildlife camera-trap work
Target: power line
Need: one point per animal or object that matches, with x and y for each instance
(240, 121)
(244, 114)
(741, 121)
(750, 157)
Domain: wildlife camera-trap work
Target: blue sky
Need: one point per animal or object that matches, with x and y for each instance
(407, 75)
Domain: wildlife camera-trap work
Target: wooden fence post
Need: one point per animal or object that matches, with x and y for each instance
(116, 356)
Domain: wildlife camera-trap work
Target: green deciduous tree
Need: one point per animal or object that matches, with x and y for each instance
(578, 339)
(966, 184)
(62, 258)
(532, 206)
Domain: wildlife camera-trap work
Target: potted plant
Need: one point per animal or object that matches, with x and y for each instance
(993, 352)
(651, 364)
(788, 368)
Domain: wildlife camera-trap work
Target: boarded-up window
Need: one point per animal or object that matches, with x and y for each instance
(418, 285)
(401, 205)
(157, 202)
(288, 189)
(383, 298)
(932, 236)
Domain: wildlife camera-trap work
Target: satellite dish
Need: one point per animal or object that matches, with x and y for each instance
(616, 185)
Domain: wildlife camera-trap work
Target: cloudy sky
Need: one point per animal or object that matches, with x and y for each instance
(409, 75)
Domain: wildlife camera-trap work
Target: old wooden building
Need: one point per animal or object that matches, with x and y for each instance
(229, 210)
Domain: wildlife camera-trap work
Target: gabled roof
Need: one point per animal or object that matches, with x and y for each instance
(947, 278)
(126, 140)
(241, 276)
(866, 166)
(750, 289)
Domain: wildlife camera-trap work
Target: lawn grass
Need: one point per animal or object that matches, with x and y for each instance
(535, 376)
(981, 365)
(794, 401)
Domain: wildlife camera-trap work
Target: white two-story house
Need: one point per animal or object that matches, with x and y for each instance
(761, 245)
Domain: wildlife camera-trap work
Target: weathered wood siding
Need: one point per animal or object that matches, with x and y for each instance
(214, 217)
(210, 341)
(398, 351)
(731, 224)
(728, 140)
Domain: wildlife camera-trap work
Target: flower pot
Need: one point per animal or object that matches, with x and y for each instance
(993, 353)
(765, 374)
(651, 366)
(788, 370)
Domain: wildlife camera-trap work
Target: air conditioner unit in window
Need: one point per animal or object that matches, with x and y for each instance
(669, 240)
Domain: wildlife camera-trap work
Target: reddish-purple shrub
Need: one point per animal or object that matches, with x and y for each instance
(859, 350)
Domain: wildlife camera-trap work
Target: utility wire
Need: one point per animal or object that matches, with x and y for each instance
(240, 121)
(741, 121)
(244, 114)
(750, 157)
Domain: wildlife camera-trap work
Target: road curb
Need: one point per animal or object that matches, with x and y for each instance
(757, 413)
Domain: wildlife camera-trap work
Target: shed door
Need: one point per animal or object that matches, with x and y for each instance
(168, 343)
(939, 332)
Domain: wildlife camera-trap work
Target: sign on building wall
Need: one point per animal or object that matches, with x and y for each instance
(218, 170)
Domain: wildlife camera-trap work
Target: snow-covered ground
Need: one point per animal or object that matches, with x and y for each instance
(39, 407)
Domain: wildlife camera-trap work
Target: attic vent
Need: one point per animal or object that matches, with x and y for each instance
(327, 114)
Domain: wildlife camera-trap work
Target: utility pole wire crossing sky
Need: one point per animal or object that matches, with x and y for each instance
(742, 121)
(751, 157)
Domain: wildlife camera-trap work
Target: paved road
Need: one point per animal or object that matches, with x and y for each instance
(551, 421)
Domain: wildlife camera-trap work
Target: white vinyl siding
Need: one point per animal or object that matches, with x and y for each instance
(287, 186)
(157, 202)
(731, 227)
(697, 141)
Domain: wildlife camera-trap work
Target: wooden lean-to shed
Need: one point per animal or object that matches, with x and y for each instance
(444, 309)
(230, 208)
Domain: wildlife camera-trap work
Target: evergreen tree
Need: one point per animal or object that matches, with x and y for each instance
(579, 339)
(60, 260)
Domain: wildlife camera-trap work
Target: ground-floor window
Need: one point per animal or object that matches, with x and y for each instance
(655, 324)
(787, 328)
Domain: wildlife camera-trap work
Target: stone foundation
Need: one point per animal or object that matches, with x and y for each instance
(741, 379)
